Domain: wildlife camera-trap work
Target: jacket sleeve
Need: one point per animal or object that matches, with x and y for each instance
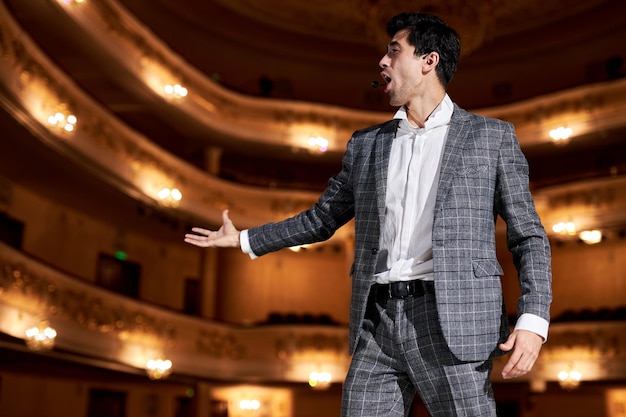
(334, 208)
(526, 237)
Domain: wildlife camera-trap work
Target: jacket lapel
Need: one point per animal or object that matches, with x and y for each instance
(382, 145)
(457, 134)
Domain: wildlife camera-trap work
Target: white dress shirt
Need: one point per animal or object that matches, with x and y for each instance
(406, 247)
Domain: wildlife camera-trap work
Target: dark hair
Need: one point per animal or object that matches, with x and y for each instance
(428, 33)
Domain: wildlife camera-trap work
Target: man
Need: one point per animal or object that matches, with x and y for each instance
(425, 189)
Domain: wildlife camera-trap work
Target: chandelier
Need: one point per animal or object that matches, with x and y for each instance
(320, 380)
(41, 337)
(570, 378)
(158, 368)
(472, 20)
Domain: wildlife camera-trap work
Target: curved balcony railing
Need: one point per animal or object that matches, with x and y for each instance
(95, 323)
(109, 328)
(150, 62)
(34, 89)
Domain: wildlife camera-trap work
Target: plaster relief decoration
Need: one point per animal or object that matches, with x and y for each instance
(475, 21)
(317, 357)
(88, 319)
(220, 345)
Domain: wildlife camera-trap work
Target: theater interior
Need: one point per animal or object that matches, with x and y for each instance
(124, 123)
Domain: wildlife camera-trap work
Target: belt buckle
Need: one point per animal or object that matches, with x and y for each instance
(403, 290)
(406, 290)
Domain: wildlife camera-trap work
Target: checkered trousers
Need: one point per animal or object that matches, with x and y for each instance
(401, 353)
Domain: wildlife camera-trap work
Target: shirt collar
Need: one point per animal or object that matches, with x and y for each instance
(441, 116)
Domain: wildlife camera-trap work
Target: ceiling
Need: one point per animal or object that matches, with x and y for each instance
(327, 52)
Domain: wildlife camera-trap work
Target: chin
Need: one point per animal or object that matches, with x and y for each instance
(395, 103)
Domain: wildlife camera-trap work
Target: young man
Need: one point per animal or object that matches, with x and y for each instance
(425, 189)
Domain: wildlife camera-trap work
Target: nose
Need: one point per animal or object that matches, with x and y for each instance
(383, 63)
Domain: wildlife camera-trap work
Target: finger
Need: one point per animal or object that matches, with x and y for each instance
(196, 240)
(200, 231)
(509, 370)
(195, 243)
(193, 236)
(518, 370)
(519, 364)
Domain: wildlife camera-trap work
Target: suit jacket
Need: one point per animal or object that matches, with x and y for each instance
(483, 175)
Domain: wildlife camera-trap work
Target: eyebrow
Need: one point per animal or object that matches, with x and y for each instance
(393, 44)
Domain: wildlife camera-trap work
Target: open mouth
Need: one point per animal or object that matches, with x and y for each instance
(387, 80)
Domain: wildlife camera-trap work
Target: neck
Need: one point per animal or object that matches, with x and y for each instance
(420, 109)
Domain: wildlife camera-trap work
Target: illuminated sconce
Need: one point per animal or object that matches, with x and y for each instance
(159, 77)
(72, 1)
(320, 380)
(249, 405)
(175, 91)
(298, 248)
(591, 237)
(40, 338)
(170, 197)
(318, 144)
(158, 368)
(63, 120)
(565, 228)
(570, 378)
(561, 134)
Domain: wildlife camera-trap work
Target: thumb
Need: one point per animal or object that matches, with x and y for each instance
(226, 218)
(508, 345)
(227, 227)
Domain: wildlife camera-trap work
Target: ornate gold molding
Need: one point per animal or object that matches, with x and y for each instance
(218, 344)
(130, 162)
(474, 21)
(91, 321)
(25, 287)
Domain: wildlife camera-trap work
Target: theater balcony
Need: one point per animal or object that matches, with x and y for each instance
(125, 123)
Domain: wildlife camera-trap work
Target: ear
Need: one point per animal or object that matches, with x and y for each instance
(431, 60)
(429, 63)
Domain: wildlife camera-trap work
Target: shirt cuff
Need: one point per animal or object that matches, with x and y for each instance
(244, 242)
(533, 324)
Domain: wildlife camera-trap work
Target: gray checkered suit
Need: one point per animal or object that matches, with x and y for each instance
(483, 175)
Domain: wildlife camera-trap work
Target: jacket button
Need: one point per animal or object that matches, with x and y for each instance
(374, 251)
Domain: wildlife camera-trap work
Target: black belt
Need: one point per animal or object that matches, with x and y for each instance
(405, 289)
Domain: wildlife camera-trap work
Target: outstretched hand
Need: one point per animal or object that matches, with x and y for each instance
(226, 236)
(525, 346)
